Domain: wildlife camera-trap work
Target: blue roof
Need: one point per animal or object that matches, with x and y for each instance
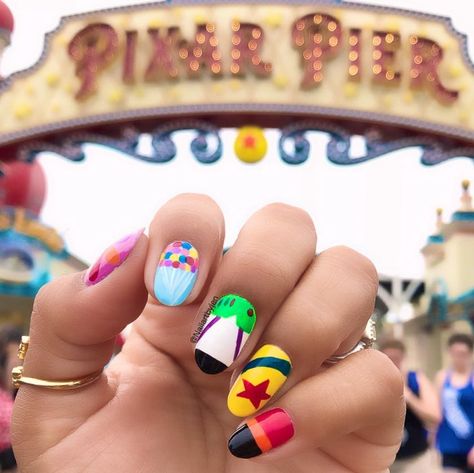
(435, 239)
(463, 216)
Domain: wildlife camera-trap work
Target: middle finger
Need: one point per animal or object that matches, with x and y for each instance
(272, 251)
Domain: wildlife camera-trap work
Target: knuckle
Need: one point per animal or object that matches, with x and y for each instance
(357, 268)
(388, 376)
(290, 214)
(357, 262)
(190, 205)
(261, 265)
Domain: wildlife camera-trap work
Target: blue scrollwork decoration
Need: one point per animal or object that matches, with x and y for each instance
(294, 145)
(200, 147)
(433, 150)
(163, 144)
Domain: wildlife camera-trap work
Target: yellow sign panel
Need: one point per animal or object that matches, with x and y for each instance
(343, 61)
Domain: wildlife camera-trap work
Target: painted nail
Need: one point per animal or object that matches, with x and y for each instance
(228, 327)
(258, 382)
(261, 434)
(111, 258)
(176, 273)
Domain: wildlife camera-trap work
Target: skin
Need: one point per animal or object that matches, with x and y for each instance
(460, 360)
(154, 410)
(426, 406)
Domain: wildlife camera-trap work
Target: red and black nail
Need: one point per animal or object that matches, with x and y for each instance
(261, 434)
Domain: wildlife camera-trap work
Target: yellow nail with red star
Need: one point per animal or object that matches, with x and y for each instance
(261, 378)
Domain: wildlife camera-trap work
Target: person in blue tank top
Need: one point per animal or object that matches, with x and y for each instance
(422, 414)
(455, 437)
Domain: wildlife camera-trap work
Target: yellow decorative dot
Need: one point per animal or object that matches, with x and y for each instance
(449, 43)
(423, 32)
(464, 116)
(387, 100)
(250, 145)
(52, 79)
(155, 22)
(235, 84)
(455, 70)
(274, 19)
(139, 91)
(116, 95)
(69, 87)
(22, 110)
(30, 89)
(56, 107)
(217, 87)
(123, 22)
(62, 40)
(175, 93)
(199, 18)
(408, 96)
(178, 12)
(351, 90)
(392, 25)
(281, 80)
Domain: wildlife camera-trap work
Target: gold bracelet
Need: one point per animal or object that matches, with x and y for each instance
(18, 379)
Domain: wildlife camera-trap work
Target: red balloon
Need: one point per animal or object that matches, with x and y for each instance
(23, 185)
(6, 18)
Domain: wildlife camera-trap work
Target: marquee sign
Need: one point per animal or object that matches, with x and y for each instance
(399, 78)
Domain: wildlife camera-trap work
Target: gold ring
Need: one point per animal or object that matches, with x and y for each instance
(18, 379)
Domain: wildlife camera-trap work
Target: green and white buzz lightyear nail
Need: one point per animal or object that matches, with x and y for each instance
(226, 331)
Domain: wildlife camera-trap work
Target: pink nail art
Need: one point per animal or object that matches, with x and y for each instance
(111, 258)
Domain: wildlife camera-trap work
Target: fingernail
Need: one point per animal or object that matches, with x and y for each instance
(261, 378)
(176, 273)
(225, 332)
(261, 434)
(111, 258)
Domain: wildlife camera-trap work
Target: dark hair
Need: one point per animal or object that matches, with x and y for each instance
(463, 338)
(392, 343)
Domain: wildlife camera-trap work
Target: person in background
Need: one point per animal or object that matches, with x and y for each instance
(455, 437)
(422, 414)
(10, 337)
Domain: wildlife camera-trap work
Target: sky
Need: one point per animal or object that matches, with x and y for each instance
(384, 208)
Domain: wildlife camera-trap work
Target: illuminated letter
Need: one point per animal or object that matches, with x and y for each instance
(426, 56)
(129, 62)
(202, 52)
(92, 49)
(318, 37)
(162, 64)
(354, 55)
(385, 46)
(247, 41)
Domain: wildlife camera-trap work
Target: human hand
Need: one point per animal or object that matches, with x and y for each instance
(154, 410)
(470, 458)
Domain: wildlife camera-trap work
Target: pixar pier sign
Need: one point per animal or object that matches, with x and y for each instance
(262, 61)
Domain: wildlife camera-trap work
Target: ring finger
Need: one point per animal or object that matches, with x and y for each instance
(326, 314)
